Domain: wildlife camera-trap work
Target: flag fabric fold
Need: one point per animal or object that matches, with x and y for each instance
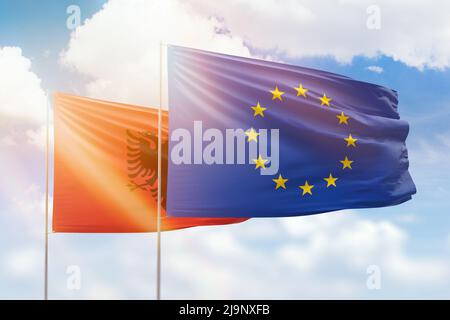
(105, 168)
(251, 138)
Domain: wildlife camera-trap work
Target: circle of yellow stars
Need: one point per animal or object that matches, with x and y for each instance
(281, 181)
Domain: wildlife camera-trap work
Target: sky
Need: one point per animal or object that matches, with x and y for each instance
(113, 54)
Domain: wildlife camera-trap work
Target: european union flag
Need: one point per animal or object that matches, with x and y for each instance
(251, 138)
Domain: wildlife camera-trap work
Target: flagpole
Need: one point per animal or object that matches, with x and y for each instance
(46, 198)
(158, 222)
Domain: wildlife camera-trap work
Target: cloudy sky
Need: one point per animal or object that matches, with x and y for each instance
(113, 54)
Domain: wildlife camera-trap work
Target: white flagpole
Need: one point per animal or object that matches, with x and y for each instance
(158, 222)
(46, 198)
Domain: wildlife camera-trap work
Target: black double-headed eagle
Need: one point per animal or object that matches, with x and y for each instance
(142, 152)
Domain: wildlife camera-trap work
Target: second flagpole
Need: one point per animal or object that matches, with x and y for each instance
(158, 222)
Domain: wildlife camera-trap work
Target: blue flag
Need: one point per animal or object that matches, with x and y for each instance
(251, 138)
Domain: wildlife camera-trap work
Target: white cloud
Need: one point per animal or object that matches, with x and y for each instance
(8, 140)
(37, 137)
(119, 47)
(47, 53)
(323, 256)
(339, 29)
(18, 134)
(21, 94)
(28, 206)
(22, 263)
(359, 242)
(31, 201)
(432, 150)
(376, 69)
(23, 105)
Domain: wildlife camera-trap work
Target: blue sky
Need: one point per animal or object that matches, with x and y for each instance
(38, 28)
(112, 57)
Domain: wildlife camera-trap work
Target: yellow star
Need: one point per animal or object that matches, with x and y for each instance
(276, 94)
(260, 162)
(346, 163)
(306, 188)
(325, 100)
(331, 181)
(258, 110)
(343, 118)
(280, 182)
(350, 141)
(301, 91)
(252, 135)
